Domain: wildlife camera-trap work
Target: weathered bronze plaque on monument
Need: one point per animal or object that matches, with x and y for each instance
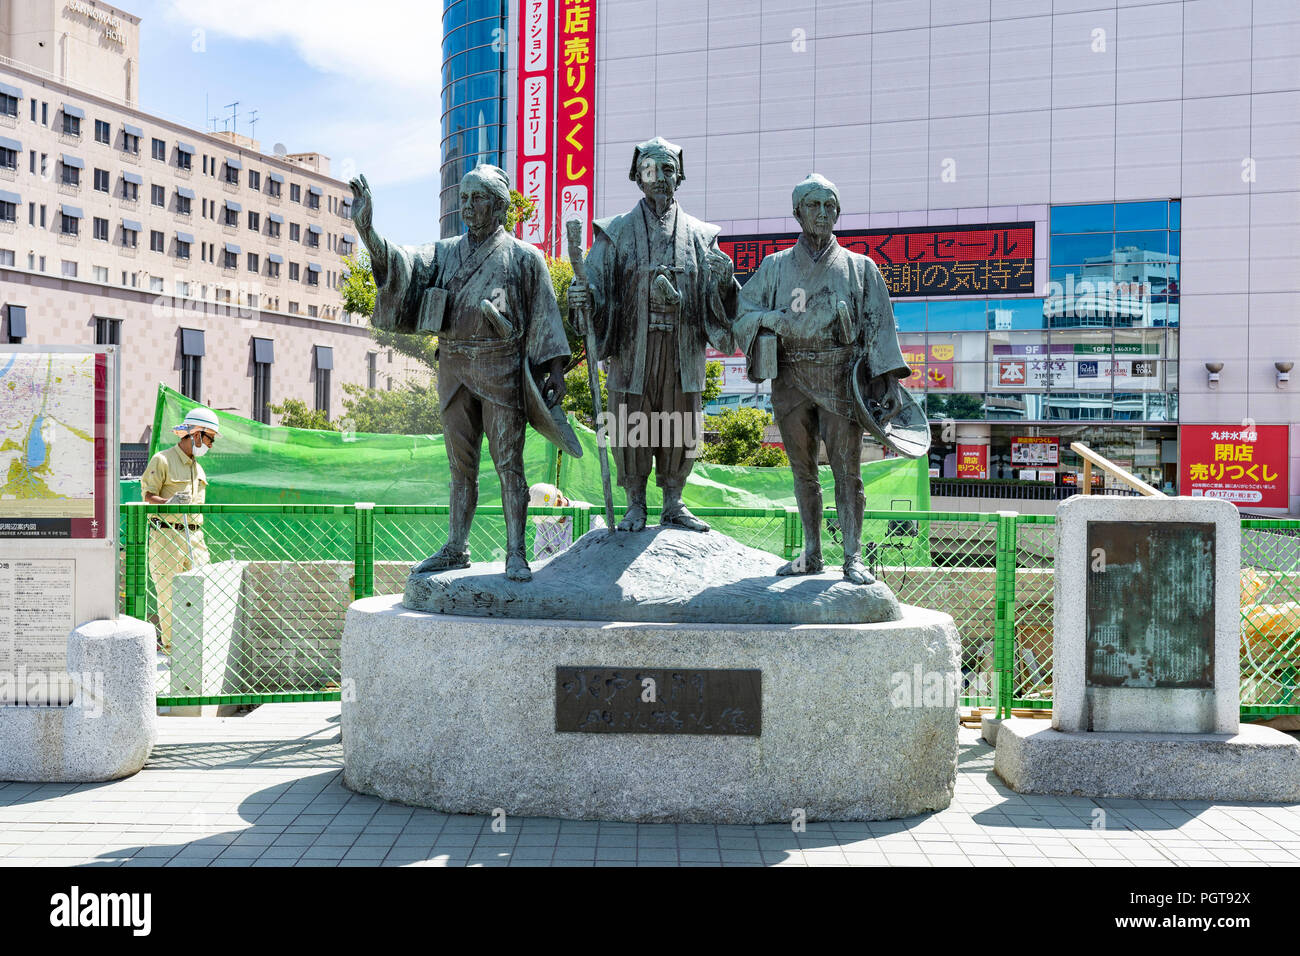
(1150, 600)
(629, 700)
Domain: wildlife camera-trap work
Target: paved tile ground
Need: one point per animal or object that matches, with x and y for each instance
(267, 790)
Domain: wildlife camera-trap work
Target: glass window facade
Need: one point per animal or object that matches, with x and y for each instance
(475, 34)
(1094, 359)
(1101, 345)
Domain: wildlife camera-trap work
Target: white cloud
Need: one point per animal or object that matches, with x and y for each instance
(389, 52)
(396, 42)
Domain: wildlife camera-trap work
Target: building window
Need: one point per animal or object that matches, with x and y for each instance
(71, 125)
(230, 260)
(182, 249)
(155, 283)
(273, 269)
(324, 365)
(253, 264)
(232, 174)
(156, 242)
(272, 228)
(192, 349)
(184, 160)
(311, 311)
(103, 132)
(69, 225)
(273, 188)
(101, 229)
(295, 192)
(313, 238)
(130, 236)
(254, 221)
(17, 324)
(293, 272)
(182, 205)
(263, 358)
(231, 217)
(130, 143)
(159, 150)
(158, 195)
(130, 191)
(254, 180)
(182, 288)
(101, 274)
(101, 180)
(8, 158)
(372, 370)
(313, 275)
(294, 232)
(8, 211)
(313, 200)
(8, 105)
(71, 175)
(69, 269)
(293, 307)
(108, 331)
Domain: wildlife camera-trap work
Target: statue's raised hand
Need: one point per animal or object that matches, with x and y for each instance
(363, 204)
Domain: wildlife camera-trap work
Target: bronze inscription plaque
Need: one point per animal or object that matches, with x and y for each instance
(1150, 604)
(646, 700)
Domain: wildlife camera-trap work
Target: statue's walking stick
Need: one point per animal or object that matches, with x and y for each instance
(574, 228)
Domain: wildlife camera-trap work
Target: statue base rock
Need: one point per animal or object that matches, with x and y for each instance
(659, 574)
(858, 721)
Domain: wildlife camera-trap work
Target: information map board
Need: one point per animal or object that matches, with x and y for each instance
(58, 509)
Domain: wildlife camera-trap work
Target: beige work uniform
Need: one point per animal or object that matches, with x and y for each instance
(170, 552)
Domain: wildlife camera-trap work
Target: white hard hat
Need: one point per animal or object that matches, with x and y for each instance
(200, 417)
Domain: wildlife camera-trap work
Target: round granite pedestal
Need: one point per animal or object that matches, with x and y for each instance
(858, 721)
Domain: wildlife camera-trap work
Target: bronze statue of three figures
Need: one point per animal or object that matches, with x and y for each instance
(815, 319)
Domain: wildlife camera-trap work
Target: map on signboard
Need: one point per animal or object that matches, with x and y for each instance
(47, 435)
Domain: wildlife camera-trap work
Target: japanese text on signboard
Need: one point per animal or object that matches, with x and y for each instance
(535, 167)
(1244, 465)
(917, 261)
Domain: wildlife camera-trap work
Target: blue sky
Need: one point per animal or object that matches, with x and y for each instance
(357, 82)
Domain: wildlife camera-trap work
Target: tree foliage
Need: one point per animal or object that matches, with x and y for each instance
(295, 413)
(740, 439)
(412, 409)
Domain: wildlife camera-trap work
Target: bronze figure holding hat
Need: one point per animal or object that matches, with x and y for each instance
(489, 299)
(817, 320)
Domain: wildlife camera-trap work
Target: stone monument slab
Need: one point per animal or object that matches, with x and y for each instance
(1147, 619)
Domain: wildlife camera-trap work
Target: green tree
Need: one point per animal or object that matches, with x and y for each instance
(712, 382)
(412, 409)
(521, 210)
(295, 413)
(577, 397)
(740, 438)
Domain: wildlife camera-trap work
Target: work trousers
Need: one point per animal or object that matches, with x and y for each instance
(169, 555)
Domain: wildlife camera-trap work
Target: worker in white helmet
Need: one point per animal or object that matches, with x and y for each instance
(174, 476)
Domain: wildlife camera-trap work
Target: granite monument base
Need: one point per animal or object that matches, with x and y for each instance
(858, 721)
(109, 729)
(1256, 763)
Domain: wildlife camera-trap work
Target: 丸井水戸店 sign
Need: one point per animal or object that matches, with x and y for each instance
(1246, 465)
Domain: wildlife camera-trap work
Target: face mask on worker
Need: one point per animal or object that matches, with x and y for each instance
(200, 447)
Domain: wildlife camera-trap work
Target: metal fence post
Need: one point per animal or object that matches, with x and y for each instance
(135, 573)
(1004, 628)
(793, 533)
(363, 550)
(581, 520)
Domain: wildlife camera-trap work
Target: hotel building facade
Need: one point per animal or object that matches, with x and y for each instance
(214, 266)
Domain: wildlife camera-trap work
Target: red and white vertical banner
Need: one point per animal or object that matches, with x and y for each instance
(535, 146)
(575, 172)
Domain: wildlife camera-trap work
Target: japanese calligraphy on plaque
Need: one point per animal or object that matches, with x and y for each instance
(617, 700)
(915, 261)
(1150, 604)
